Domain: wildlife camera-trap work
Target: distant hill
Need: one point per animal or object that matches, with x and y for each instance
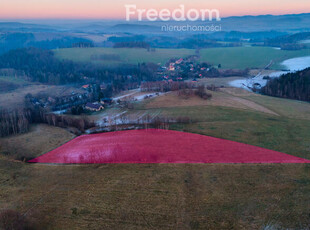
(284, 23)
(24, 27)
(129, 28)
(288, 39)
(290, 22)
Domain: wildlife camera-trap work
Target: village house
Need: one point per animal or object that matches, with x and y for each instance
(179, 61)
(94, 106)
(85, 86)
(171, 66)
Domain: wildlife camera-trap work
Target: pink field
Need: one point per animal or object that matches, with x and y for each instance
(159, 146)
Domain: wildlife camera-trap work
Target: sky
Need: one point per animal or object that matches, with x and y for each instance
(114, 9)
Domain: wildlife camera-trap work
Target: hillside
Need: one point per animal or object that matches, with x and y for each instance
(165, 196)
(292, 85)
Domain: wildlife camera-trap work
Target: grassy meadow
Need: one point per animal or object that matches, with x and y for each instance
(158, 196)
(249, 57)
(126, 55)
(229, 58)
(10, 83)
(171, 196)
(242, 116)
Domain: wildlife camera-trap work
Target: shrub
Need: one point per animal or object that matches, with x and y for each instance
(201, 92)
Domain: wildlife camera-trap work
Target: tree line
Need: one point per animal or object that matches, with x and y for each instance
(288, 42)
(40, 65)
(16, 40)
(18, 121)
(292, 85)
(132, 44)
(14, 122)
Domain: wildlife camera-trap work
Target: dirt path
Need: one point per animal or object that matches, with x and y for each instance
(253, 105)
(238, 95)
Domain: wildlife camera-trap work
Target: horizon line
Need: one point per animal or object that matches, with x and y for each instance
(135, 20)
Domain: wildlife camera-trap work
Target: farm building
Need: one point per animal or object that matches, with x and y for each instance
(94, 106)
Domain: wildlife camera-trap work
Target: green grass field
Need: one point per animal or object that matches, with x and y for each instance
(287, 130)
(229, 58)
(126, 55)
(249, 57)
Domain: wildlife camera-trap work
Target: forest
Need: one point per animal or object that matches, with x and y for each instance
(18, 121)
(40, 65)
(288, 42)
(12, 40)
(292, 85)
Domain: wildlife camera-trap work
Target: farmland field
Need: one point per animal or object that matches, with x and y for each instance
(152, 196)
(229, 58)
(125, 55)
(170, 196)
(235, 114)
(141, 146)
(249, 57)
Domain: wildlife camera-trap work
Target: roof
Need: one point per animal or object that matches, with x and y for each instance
(93, 106)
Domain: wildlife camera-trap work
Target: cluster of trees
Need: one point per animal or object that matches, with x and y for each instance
(288, 42)
(80, 123)
(9, 41)
(186, 93)
(77, 110)
(133, 38)
(127, 122)
(133, 44)
(292, 85)
(83, 44)
(198, 43)
(41, 66)
(201, 92)
(18, 121)
(292, 46)
(184, 89)
(233, 38)
(16, 40)
(14, 122)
